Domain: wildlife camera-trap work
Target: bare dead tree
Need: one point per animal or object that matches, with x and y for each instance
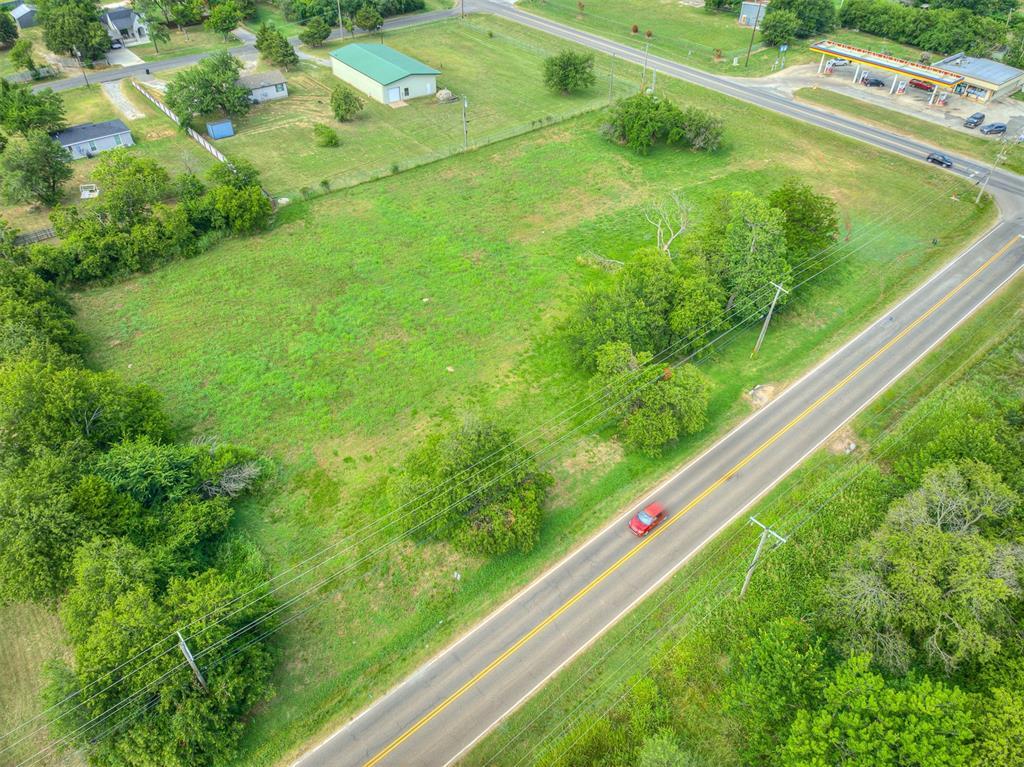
(593, 258)
(670, 219)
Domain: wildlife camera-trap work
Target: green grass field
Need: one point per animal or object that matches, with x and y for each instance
(195, 39)
(155, 136)
(692, 619)
(496, 65)
(35, 34)
(972, 145)
(327, 343)
(693, 36)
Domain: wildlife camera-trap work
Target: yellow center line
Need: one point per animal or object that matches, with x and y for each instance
(671, 520)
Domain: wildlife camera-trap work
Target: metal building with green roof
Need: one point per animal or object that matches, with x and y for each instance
(383, 73)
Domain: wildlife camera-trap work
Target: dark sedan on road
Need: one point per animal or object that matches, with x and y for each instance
(872, 82)
(974, 120)
(993, 129)
(647, 519)
(939, 159)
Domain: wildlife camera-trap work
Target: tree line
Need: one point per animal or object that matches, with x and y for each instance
(889, 636)
(637, 334)
(108, 515)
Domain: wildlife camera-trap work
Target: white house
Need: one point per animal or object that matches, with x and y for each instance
(264, 86)
(124, 25)
(383, 73)
(88, 139)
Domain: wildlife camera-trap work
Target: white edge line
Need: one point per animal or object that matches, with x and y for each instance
(754, 500)
(642, 499)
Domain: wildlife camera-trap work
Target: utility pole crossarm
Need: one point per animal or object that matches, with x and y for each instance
(766, 532)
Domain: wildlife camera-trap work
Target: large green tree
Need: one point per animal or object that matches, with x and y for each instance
(131, 185)
(810, 221)
(655, 404)
(21, 57)
(115, 610)
(568, 71)
(34, 168)
(224, 18)
(8, 29)
(814, 16)
(73, 28)
(929, 585)
(207, 87)
(23, 110)
(474, 485)
(865, 722)
(754, 255)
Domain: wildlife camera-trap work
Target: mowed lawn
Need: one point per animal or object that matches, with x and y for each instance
(500, 75)
(368, 317)
(708, 40)
(155, 136)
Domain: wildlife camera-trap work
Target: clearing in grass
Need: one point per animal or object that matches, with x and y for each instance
(368, 317)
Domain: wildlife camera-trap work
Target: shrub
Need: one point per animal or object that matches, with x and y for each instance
(345, 103)
(640, 121)
(325, 135)
(568, 72)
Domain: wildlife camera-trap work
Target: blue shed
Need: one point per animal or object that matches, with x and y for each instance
(221, 129)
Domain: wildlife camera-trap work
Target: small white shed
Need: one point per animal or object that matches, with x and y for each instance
(383, 73)
(264, 86)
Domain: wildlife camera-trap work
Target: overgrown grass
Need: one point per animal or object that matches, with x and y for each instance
(155, 136)
(29, 636)
(35, 35)
(703, 39)
(972, 145)
(496, 65)
(327, 343)
(684, 632)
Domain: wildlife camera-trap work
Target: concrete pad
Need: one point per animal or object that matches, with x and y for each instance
(122, 57)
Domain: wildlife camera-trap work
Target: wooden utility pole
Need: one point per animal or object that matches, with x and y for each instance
(183, 645)
(779, 290)
(765, 533)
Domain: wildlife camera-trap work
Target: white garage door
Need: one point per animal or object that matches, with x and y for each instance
(394, 94)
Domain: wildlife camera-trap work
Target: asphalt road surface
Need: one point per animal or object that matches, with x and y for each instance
(440, 711)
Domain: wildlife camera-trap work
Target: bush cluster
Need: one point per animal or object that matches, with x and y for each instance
(641, 121)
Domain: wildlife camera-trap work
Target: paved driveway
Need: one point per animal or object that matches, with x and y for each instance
(123, 57)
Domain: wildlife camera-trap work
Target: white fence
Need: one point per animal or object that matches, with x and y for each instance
(191, 133)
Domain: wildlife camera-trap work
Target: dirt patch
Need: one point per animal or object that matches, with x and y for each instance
(761, 395)
(843, 442)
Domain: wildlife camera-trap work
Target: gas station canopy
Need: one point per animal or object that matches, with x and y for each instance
(933, 75)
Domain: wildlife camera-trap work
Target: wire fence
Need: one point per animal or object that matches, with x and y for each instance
(195, 136)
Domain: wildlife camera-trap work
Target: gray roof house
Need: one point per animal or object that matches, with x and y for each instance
(24, 15)
(125, 25)
(264, 86)
(88, 139)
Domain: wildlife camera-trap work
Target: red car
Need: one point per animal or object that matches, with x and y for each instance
(921, 85)
(647, 519)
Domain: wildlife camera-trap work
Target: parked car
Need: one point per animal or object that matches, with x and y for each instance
(993, 129)
(839, 62)
(921, 85)
(115, 44)
(974, 120)
(647, 519)
(939, 159)
(872, 82)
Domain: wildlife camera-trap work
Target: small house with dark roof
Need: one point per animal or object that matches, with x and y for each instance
(88, 139)
(24, 15)
(125, 25)
(383, 73)
(264, 86)
(983, 79)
